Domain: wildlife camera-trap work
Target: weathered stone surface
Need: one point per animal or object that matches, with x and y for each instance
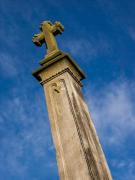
(78, 150)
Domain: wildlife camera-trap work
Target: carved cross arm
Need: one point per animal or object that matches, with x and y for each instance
(57, 28)
(39, 39)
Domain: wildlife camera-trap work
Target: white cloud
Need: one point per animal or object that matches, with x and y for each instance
(8, 65)
(112, 110)
(24, 129)
(87, 48)
(126, 168)
(132, 33)
(80, 46)
(113, 113)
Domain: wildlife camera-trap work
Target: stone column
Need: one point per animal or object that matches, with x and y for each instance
(78, 151)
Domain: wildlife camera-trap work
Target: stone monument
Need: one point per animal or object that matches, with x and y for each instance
(78, 150)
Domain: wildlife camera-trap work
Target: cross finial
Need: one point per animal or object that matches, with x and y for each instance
(47, 36)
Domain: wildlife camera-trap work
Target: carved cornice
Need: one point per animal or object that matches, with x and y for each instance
(61, 57)
(42, 82)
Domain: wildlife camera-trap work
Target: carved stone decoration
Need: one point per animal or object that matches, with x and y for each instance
(87, 148)
(47, 36)
(93, 149)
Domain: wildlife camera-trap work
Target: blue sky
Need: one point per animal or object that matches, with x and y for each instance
(100, 36)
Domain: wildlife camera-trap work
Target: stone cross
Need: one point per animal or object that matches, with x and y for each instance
(47, 36)
(78, 150)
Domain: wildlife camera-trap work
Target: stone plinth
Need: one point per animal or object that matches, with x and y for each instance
(78, 151)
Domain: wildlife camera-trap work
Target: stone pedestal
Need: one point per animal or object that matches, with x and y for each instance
(78, 151)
